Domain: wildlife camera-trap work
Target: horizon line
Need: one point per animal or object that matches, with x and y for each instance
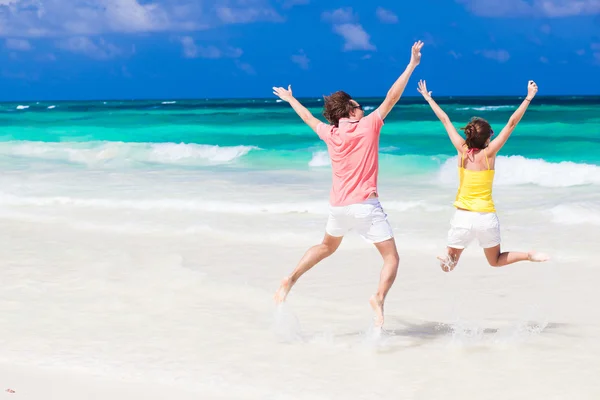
(300, 97)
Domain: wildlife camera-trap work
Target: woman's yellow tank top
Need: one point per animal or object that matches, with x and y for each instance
(475, 188)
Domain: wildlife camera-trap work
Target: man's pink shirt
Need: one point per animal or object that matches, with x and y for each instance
(354, 151)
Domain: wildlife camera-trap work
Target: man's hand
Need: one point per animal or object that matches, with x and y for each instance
(285, 95)
(307, 117)
(415, 57)
(398, 87)
(423, 90)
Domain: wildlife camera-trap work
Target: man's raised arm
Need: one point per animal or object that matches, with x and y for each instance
(307, 117)
(397, 89)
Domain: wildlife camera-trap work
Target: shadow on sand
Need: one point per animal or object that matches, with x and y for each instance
(406, 335)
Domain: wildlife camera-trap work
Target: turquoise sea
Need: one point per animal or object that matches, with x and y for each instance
(267, 134)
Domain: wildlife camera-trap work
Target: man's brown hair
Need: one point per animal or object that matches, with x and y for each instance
(337, 106)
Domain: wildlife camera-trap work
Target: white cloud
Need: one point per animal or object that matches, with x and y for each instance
(428, 39)
(455, 54)
(192, 50)
(42, 18)
(18, 44)
(50, 57)
(293, 3)
(345, 25)
(501, 56)
(386, 16)
(596, 52)
(544, 8)
(32, 18)
(245, 15)
(493, 8)
(98, 49)
(247, 68)
(355, 37)
(20, 75)
(339, 16)
(568, 8)
(301, 59)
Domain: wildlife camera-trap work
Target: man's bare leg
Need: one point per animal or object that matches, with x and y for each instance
(311, 258)
(389, 253)
(449, 261)
(497, 259)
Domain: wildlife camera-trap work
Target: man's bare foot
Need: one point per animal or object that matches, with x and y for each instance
(284, 289)
(447, 263)
(537, 257)
(377, 306)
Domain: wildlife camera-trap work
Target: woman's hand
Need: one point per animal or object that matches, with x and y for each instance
(423, 90)
(531, 90)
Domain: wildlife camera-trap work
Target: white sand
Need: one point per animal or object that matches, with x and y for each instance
(49, 384)
(142, 296)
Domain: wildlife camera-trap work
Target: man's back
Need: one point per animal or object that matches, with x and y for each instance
(354, 151)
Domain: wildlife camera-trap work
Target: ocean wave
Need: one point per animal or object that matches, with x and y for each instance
(197, 205)
(120, 153)
(172, 153)
(167, 205)
(575, 214)
(402, 206)
(51, 107)
(136, 228)
(320, 159)
(167, 102)
(518, 170)
(22, 107)
(486, 108)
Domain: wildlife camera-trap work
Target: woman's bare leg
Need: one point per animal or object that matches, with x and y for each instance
(497, 259)
(449, 261)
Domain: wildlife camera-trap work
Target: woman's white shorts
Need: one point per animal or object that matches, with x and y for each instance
(468, 225)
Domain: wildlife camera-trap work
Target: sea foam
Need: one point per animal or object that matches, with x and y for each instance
(518, 170)
(120, 153)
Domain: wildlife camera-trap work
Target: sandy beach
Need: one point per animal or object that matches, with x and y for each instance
(136, 292)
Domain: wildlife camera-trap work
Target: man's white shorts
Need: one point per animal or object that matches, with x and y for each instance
(367, 218)
(468, 225)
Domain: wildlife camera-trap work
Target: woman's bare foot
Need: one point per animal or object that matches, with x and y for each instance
(446, 263)
(377, 306)
(284, 289)
(537, 257)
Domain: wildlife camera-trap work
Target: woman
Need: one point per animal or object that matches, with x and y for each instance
(475, 215)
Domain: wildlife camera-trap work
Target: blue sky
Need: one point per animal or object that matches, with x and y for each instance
(79, 49)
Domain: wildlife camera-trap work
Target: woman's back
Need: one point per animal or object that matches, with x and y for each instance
(476, 178)
(476, 160)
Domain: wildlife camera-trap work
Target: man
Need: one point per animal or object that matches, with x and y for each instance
(353, 144)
